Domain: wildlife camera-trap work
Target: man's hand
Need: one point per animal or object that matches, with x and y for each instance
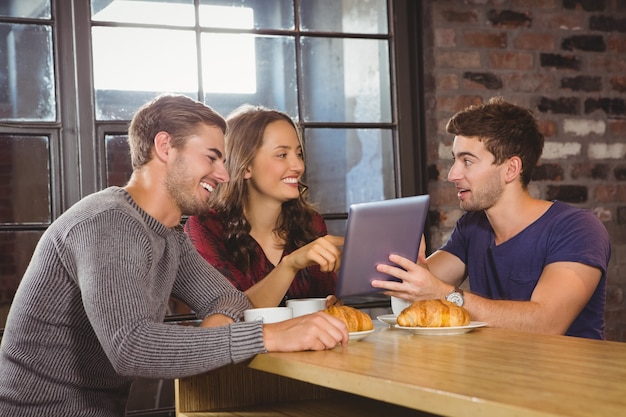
(316, 331)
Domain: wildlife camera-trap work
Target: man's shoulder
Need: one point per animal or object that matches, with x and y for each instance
(563, 212)
(111, 200)
(111, 197)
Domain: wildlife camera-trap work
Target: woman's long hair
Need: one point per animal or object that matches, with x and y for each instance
(244, 137)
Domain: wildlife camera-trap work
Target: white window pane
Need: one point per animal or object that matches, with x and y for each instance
(132, 65)
(347, 166)
(224, 71)
(344, 16)
(262, 14)
(34, 9)
(161, 12)
(227, 17)
(346, 80)
(263, 71)
(132, 59)
(27, 87)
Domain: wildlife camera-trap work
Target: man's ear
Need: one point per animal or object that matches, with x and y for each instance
(513, 169)
(162, 145)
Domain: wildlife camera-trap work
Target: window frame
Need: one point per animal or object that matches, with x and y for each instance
(77, 140)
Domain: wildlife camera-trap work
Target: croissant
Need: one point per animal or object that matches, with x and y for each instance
(433, 313)
(356, 320)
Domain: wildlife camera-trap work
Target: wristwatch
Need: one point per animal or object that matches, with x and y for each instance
(456, 297)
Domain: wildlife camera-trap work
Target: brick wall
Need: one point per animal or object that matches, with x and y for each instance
(566, 60)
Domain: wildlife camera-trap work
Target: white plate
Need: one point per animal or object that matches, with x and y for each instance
(443, 331)
(354, 336)
(389, 319)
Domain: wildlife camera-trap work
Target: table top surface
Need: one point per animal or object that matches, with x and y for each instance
(485, 372)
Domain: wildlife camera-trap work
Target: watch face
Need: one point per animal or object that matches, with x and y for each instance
(455, 298)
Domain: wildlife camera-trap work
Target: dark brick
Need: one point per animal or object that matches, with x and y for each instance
(582, 83)
(617, 127)
(618, 84)
(508, 18)
(460, 17)
(544, 172)
(621, 215)
(611, 106)
(600, 172)
(433, 172)
(559, 61)
(607, 24)
(563, 105)
(591, 43)
(620, 173)
(567, 193)
(593, 171)
(434, 218)
(587, 5)
(485, 40)
(490, 81)
(547, 127)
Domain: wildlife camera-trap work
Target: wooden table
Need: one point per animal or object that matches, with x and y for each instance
(487, 372)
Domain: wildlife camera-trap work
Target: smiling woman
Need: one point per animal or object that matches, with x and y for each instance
(263, 234)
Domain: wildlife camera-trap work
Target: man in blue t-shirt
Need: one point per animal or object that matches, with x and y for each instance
(533, 265)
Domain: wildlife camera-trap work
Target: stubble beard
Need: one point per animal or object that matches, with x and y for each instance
(484, 199)
(181, 189)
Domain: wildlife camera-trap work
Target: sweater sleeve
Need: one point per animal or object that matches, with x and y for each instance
(126, 272)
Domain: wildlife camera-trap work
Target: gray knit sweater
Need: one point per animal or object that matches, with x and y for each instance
(88, 316)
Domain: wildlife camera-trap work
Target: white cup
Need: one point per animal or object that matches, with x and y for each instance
(268, 314)
(302, 306)
(399, 304)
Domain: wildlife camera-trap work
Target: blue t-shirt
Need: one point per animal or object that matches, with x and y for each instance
(511, 270)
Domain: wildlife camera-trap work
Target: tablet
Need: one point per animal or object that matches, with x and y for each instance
(373, 232)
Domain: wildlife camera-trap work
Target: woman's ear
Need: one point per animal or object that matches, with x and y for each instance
(513, 169)
(162, 145)
(247, 173)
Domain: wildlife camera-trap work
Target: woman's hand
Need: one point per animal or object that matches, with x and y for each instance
(324, 251)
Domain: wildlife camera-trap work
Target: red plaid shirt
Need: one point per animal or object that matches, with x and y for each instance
(208, 238)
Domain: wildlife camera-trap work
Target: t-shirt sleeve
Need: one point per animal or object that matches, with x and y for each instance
(581, 238)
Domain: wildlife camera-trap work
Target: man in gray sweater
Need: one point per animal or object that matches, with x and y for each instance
(87, 318)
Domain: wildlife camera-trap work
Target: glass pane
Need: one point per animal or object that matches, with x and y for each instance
(24, 180)
(132, 65)
(31, 9)
(346, 16)
(336, 227)
(263, 71)
(158, 12)
(16, 249)
(27, 88)
(119, 167)
(346, 166)
(345, 80)
(247, 14)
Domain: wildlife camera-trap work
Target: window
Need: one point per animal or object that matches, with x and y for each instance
(72, 73)
(326, 63)
(28, 137)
